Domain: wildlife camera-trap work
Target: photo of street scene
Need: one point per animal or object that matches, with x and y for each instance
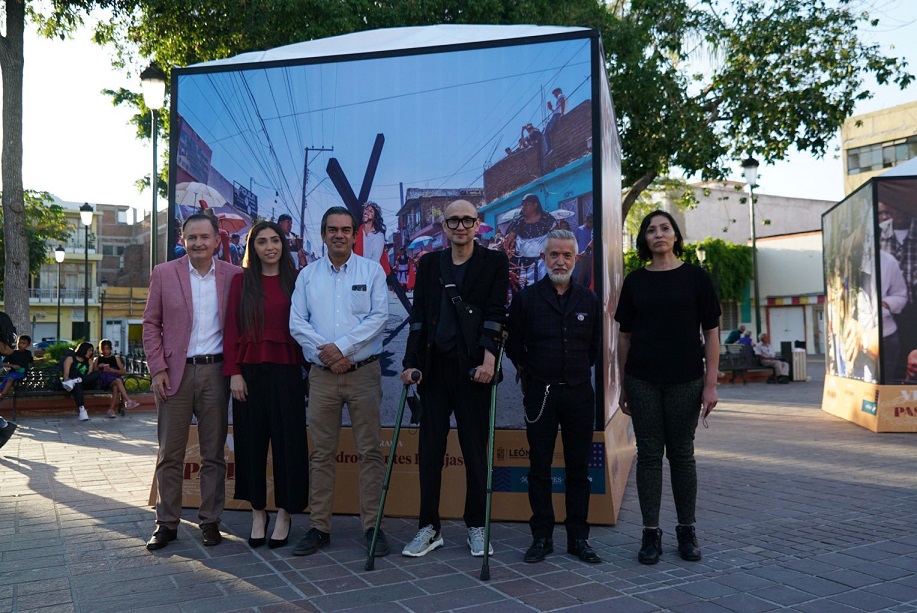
(395, 140)
(853, 310)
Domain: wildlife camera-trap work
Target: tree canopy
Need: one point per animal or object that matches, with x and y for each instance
(697, 85)
(45, 223)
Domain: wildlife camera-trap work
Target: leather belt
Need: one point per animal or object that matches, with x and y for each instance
(355, 366)
(215, 358)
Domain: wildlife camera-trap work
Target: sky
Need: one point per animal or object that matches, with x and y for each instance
(81, 148)
(445, 118)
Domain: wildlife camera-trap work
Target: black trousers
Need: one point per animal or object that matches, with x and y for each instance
(445, 389)
(90, 382)
(275, 415)
(573, 409)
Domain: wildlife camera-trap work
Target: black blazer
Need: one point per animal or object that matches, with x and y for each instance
(485, 286)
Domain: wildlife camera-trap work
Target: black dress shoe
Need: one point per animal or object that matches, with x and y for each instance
(582, 550)
(651, 547)
(687, 543)
(254, 543)
(382, 548)
(275, 543)
(211, 534)
(539, 550)
(314, 540)
(162, 537)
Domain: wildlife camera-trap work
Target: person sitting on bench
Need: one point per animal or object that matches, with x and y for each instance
(768, 357)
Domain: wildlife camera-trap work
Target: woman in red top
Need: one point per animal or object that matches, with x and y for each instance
(265, 366)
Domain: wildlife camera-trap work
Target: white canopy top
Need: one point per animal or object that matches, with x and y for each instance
(393, 39)
(904, 169)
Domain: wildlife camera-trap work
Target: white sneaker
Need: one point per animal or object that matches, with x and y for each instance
(476, 542)
(427, 540)
(132, 404)
(84, 416)
(69, 383)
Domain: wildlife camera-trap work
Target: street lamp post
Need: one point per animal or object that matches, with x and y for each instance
(59, 254)
(86, 219)
(153, 82)
(103, 286)
(750, 166)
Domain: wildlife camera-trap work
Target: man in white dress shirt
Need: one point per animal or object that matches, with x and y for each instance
(338, 313)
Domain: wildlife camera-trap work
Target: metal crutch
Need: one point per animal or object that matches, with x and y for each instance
(371, 558)
(485, 567)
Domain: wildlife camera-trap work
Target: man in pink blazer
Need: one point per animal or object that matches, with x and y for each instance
(183, 341)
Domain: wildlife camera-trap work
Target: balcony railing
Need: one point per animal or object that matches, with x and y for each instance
(49, 294)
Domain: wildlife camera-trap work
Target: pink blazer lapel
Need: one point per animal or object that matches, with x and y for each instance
(184, 281)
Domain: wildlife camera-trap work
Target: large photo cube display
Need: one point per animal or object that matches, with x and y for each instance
(395, 125)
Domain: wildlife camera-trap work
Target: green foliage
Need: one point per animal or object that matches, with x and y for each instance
(45, 223)
(56, 351)
(729, 265)
(663, 190)
(697, 85)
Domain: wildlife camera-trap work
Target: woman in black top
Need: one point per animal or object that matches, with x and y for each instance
(110, 370)
(79, 373)
(662, 310)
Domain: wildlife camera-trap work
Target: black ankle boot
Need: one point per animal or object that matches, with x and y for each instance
(651, 548)
(687, 543)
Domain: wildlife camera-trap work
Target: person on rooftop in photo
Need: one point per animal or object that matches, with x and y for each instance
(669, 374)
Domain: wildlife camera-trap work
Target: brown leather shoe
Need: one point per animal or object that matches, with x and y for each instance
(211, 534)
(162, 537)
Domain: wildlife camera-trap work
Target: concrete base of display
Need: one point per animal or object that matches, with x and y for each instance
(880, 408)
(612, 454)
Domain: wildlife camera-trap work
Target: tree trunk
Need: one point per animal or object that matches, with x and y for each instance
(634, 192)
(16, 266)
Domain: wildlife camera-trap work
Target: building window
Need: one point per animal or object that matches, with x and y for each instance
(730, 317)
(881, 155)
(112, 249)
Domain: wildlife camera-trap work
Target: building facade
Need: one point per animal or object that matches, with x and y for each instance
(874, 142)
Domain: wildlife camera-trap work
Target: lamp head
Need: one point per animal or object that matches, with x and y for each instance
(86, 214)
(750, 166)
(701, 254)
(153, 83)
(59, 254)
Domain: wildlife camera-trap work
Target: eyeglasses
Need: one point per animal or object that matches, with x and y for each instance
(453, 222)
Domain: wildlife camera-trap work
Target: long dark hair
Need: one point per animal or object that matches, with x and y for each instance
(251, 307)
(82, 349)
(378, 224)
(643, 249)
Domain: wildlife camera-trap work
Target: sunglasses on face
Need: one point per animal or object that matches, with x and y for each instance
(453, 222)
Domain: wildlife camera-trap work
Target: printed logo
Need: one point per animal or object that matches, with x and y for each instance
(869, 407)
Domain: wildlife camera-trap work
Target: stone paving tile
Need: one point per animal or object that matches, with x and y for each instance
(796, 510)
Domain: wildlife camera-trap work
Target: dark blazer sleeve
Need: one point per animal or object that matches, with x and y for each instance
(496, 286)
(515, 329)
(417, 336)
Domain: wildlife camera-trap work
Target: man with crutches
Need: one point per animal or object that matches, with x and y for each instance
(456, 322)
(554, 338)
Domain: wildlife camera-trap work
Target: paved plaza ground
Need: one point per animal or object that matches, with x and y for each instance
(797, 510)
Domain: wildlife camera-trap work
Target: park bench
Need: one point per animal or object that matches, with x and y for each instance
(739, 360)
(44, 379)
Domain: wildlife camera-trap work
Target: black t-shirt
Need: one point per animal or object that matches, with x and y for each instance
(447, 330)
(664, 312)
(20, 358)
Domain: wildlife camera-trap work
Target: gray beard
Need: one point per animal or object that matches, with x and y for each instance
(555, 278)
